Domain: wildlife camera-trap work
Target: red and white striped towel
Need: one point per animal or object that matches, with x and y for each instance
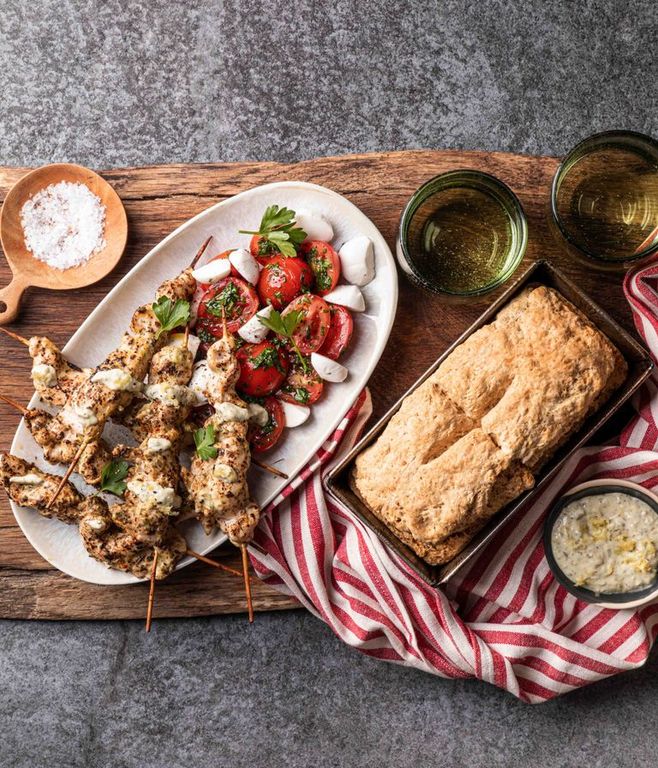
(503, 619)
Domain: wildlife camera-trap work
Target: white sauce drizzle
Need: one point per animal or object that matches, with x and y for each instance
(258, 414)
(225, 472)
(44, 375)
(154, 494)
(30, 479)
(231, 412)
(175, 395)
(79, 417)
(117, 380)
(157, 445)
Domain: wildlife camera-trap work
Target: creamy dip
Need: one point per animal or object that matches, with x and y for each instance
(607, 543)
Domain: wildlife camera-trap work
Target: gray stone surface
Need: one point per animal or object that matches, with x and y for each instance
(117, 83)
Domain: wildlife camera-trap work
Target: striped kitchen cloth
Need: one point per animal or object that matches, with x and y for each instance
(504, 618)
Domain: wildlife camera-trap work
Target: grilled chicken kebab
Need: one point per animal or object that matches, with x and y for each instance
(217, 485)
(109, 390)
(151, 499)
(103, 537)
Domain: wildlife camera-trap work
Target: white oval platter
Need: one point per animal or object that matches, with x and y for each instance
(60, 544)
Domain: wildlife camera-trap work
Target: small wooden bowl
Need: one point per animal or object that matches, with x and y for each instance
(28, 271)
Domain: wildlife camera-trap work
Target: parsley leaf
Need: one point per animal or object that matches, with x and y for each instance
(204, 440)
(113, 477)
(278, 230)
(285, 325)
(171, 314)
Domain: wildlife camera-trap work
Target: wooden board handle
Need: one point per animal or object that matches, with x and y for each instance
(10, 299)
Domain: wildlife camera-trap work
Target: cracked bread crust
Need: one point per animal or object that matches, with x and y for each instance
(470, 481)
(469, 439)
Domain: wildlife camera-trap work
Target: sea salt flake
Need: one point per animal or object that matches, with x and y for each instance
(64, 224)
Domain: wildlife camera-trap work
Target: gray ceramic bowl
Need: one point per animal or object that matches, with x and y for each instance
(617, 600)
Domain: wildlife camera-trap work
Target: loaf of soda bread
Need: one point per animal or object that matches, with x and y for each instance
(474, 435)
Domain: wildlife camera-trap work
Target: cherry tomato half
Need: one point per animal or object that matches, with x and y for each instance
(339, 334)
(281, 279)
(236, 297)
(263, 368)
(262, 250)
(301, 387)
(315, 319)
(325, 264)
(264, 438)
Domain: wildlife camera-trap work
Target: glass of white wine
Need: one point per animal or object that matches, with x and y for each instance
(604, 199)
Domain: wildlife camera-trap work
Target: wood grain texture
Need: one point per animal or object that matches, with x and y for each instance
(160, 198)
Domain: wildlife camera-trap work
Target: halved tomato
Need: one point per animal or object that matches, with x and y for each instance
(325, 264)
(264, 438)
(301, 387)
(339, 334)
(282, 278)
(262, 249)
(233, 296)
(263, 368)
(315, 319)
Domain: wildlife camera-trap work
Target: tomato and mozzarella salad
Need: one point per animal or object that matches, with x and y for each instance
(289, 300)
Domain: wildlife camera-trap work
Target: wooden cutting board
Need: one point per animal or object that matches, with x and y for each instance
(160, 198)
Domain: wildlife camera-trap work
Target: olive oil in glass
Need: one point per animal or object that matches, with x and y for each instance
(466, 242)
(462, 234)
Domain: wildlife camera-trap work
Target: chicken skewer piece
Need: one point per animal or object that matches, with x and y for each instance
(54, 378)
(217, 481)
(110, 389)
(29, 486)
(151, 498)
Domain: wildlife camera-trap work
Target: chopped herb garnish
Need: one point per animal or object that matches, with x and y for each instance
(320, 267)
(204, 440)
(278, 230)
(225, 301)
(268, 358)
(113, 477)
(205, 335)
(285, 326)
(301, 395)
(170, 314)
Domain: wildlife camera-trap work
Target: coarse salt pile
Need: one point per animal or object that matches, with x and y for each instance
(64, 224)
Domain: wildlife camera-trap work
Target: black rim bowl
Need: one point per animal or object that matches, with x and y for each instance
(581, 593)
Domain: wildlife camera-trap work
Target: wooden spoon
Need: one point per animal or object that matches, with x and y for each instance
(28, 271)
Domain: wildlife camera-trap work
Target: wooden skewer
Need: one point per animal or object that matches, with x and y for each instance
(269, 468)
(68, 472)
(14, 404)
(149, 605)
(199, 253)
(15, 336)
(214, 563)
(247, 582)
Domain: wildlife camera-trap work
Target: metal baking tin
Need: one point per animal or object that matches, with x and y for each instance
(639, 369)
